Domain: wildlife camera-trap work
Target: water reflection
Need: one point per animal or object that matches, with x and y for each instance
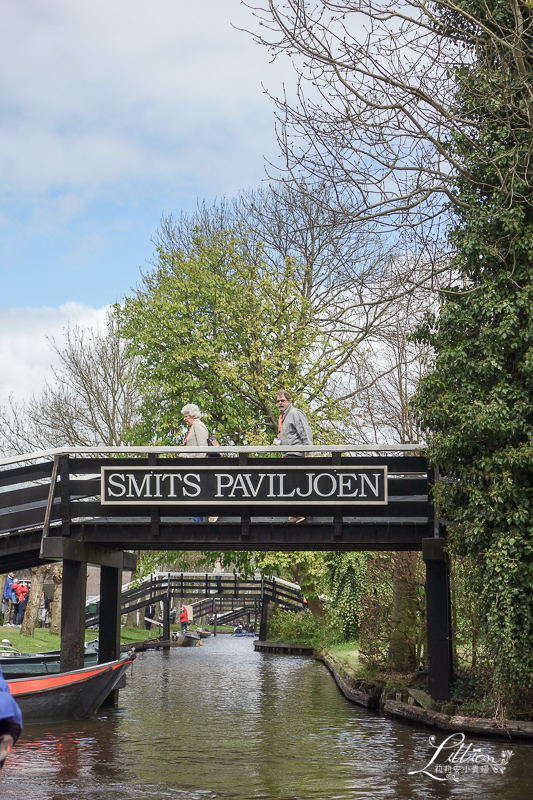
(221, 722)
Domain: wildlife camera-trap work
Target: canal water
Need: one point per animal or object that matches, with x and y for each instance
(221, 722)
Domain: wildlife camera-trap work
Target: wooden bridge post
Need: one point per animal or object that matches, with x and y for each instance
(73, 600)
(440, 664)
(263, 631)
(110, 592)
(166, 615)
(109, 636)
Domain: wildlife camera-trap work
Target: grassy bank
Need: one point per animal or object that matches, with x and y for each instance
(43, 638)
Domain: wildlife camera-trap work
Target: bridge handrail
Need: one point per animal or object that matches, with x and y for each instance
(337, 448)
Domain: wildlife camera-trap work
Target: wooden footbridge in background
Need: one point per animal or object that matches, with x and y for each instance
(224, 595)
(93, 506)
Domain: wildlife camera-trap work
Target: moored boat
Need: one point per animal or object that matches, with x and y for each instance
(184, 639)
(68, 695)
(25, 665)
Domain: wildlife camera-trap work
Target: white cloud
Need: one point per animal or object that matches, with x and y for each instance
(25, 355)
(96, 91)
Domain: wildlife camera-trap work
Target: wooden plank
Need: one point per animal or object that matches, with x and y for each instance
(203, 536)
(26, 474)
(64, 494)
(27, 518)
(398, 507)
(24, 495)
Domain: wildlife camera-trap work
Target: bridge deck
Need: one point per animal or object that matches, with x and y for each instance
(60, 496)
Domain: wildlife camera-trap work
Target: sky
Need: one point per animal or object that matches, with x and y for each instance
(114, 113)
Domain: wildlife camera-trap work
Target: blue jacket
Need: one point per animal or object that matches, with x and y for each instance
(7, 588)
(9, 708)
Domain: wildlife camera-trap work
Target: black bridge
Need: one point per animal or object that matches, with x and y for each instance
(93, 506)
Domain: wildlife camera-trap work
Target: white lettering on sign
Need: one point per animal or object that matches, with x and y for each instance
(333, 484)
(114, 480)
(254, 489)
(238, 485)
(242, 485)
(172, 476)
(366, 479)
(187, 480)
(220, 485)
(157, 478)
(281, 492)
(132, 484)
(345, 482)
(309, 486)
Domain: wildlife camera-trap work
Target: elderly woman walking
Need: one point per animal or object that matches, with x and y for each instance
(197, 436)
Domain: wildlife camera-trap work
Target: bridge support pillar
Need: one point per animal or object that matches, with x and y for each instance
(109, 638)
(264, 619)
(439, 629)
(73, 599)
(166, 617)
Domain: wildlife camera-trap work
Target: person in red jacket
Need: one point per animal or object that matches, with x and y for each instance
(184, 619)
(22, 595)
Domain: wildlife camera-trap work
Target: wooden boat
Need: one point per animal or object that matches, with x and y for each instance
(24, 665)
(44, 664)
(184, 639)
(68, 695)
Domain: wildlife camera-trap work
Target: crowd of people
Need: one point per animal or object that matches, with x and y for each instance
(243, 628)
(14, 601)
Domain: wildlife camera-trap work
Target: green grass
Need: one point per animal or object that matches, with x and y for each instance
(43, 639)
(347, 653)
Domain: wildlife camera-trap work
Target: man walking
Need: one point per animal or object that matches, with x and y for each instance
(293, 430)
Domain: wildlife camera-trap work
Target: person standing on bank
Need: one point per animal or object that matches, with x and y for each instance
(6, 599)
(293, 430)
(197, 436)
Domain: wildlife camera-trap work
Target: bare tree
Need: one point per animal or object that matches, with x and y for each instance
(374, 113)
(388, 376)
(91, 400)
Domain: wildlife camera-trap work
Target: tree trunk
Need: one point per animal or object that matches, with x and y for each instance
(57, 577)
(402, 649)
(38, 575)
(131, 619)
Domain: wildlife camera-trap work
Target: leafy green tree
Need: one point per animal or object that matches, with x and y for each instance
(220, 326)
(346, 573)
(478, 398)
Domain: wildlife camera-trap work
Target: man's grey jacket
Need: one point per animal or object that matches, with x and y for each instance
(295, 429)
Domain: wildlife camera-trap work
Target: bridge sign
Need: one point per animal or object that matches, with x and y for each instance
(239, 485)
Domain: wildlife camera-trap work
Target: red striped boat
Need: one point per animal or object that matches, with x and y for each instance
(68, 695)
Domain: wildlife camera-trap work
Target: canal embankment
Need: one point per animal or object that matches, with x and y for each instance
(408, 703)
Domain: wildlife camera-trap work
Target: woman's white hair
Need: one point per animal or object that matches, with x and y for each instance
(192, 410)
